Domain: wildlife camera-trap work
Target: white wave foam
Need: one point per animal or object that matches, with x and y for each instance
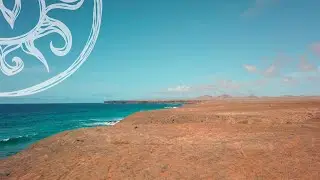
(104, 120)
(4, 140)
(107, 123)
(170, 107)
(17, 137)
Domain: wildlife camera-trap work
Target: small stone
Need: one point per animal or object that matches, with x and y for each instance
(4, 173)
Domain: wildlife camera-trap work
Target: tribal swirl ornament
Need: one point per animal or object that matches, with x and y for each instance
(46, 25)
(11, 15)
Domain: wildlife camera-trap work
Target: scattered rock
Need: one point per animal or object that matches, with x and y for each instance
(5, 173)
(164, 168)
(244, 122)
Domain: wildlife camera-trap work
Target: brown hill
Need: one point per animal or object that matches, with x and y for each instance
(224, 96)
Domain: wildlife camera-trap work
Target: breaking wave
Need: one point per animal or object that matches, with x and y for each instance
(102, 122)
(170, 107)
(17, 139)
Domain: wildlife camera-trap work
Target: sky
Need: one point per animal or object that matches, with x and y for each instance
(175, 49)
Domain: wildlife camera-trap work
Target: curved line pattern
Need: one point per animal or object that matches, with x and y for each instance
(20, 39)
(11, 15)
(97, 16)
(45, 26)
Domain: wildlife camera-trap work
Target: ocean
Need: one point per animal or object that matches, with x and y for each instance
(24, 124)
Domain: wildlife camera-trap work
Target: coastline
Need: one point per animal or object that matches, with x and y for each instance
(261, 138)
(32, 123)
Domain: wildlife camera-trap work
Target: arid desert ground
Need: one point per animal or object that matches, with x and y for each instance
(259, 138)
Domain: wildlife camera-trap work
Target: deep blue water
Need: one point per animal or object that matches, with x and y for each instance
(24, 124)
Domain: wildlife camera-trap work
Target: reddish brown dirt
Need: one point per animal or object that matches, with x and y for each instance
(227, 139)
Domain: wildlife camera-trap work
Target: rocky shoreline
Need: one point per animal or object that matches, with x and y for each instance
(222, 139)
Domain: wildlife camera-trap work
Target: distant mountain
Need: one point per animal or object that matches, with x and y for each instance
(205, 97)
(224, 96)
(253, 96)
(287, 96)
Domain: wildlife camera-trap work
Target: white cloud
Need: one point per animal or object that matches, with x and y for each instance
(270, 71)
(181, 88)
(250, 68)
(305, 66)
(287, 79)
(303, 76)
(315, 47)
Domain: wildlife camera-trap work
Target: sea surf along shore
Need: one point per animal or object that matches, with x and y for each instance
(24, 124)
(245, 138)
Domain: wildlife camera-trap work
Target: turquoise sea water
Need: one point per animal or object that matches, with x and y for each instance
(24, 124)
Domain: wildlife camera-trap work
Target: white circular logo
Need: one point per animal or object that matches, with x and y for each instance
(46, 25)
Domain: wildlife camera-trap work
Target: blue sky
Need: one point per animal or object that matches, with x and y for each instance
(178, 48)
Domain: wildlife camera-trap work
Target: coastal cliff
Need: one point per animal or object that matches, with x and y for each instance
(235, 139)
